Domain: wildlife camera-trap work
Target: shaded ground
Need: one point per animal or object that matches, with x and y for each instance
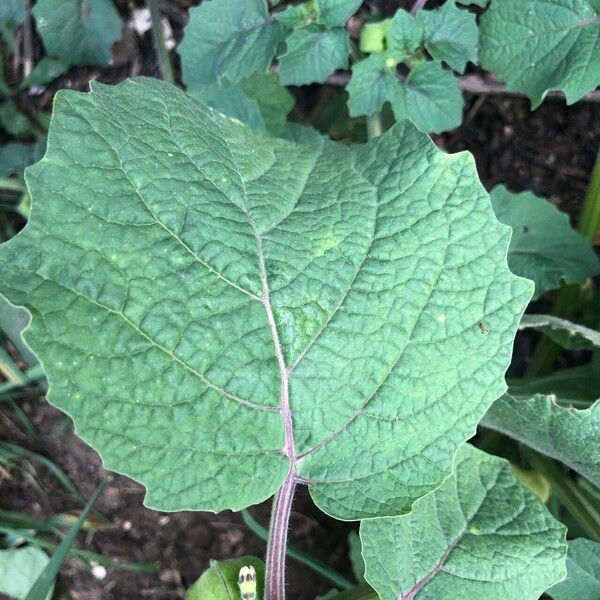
(550, 151)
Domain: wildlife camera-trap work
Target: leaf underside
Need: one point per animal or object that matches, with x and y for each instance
(214, 307)
(480, 536)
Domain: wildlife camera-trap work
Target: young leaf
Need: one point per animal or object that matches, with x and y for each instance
(312, 54)
(78, 32)
(14, 157)
(570, 336)
(543, 246)
(228, 40)
(259, 101)
(583, 573)
(481, 536)
(430, 97)
(221, 311)
(542, 45)
(569, 435)
(19, 568)
(450, 35)
(220, 581)
(12, 14)
(335, 13)
(404, 34)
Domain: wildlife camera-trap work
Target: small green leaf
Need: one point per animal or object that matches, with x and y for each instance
(404, 34)
(481, 536)
(220, 581)
(583, 573)
(312, 54)
(259, 101)
(14, 157)
(19, 569)
(12, 14)
(430, 97)
(335, 13)
(450, 35)
(227, 40)
(44, 72)
(570, 336)
(78, 32)
(372, 84)
(542, 45)
(569, 435)
(174, 262)
(543, 246)
(13, 120)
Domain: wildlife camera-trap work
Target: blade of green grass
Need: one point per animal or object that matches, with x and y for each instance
(41, 588)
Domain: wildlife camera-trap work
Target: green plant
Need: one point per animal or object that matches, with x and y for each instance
(228, 312)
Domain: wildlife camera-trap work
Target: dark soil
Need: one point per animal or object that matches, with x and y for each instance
(549, 151)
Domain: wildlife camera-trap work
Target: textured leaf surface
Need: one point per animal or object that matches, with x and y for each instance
(543, 246)
(566, 434)
(583, 573)
(571, 336)
(451, 35)
(228, 40)
(213, 306)
(220, 581)
(259, 101)
(79, 32)
(19, 569)
(542, 45)
(430, 97)
(405, 34)
(312, 54)
(481, 536)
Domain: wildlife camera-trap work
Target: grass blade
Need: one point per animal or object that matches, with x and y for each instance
(45, 581)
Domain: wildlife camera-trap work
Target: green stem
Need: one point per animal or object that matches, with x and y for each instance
(162, 53)
(568, 297)
(316, 565)
(374, 126)
(9, 183)
(568, 493)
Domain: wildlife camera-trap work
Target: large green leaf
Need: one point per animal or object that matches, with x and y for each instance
(481, 536)
(566, 434)
(19, 569)
(543, 247)
(450, 35)
(583, 573)
(259, 101)
(214, 307)
(228, 40)
(542, 45)
(78, 32)
(430, 96)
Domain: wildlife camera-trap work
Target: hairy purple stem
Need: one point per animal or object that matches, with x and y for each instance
(278, 531)
(417, 6)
